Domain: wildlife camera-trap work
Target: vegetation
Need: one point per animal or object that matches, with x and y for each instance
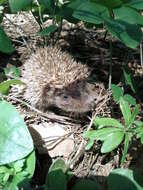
(121, 19)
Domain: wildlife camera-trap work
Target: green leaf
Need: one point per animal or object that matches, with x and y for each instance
(58, 164)
(23, 178)
(17, 5)
(125, 108)
(89, 144)
(126, 146)
(92, 134)
(134, 114)
(110, 4)
(23, 171)
(141, 139)
(19, 182)
(125, 179)
(15, 139)
(6, 177)
(137, 4)
(5, 43)
(56, 178)
(47, 31)
(1, 17)
(107, 122)
(128, 15)
(18, 165)
(91, 12)
(30, 164)
(86, 184)
(101, 134)
(130, 99)
(139, 130)
(4, 86)
(2, 1)
(129, 78)
(129, 34)
(67, 10)
(138, 123)
(3, 169)
(117, 92)
(49, 4)
(112, 141)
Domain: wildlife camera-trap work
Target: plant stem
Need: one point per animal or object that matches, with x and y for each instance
(40, 15)
(110, 67)
(141, 54)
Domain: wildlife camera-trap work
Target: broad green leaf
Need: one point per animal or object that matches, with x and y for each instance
(129, 78)
(125, 108)
(139, 130)
(117, 92)
(19, 5)
(27, 164)
(67, 10)
(125, 179)
(2, 1)
(47, 31)
(58, 164)
(49, 4)
(134, 114)
(105, 121)
(130, 99)
(69, 175)
(6, 177)
(30, 164)
(101, 134)
(22, 179)
(1, 17)
(86, 184)
(112, 141)
(91, 12)
(141, 139)
(5, 43)
(15, 139)
(138, 123)
(10, 185)
(18, 182)
(92, 134)
(4, 86)
(126, 146)
(3, 169)
(137, 4)
(125, 1)
(128, 15)
(21, 172)
(109, 3)
(129, 34)
(18, 165)
(56, 177)
(89, 144)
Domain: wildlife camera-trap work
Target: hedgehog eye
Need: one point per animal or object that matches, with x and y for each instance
(65, 97)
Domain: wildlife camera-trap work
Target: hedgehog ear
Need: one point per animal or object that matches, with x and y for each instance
(81, 84)
(58, 91)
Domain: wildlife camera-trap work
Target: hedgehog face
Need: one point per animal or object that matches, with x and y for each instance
(75, 98)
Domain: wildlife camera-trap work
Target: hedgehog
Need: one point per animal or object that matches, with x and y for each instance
(54, 79)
